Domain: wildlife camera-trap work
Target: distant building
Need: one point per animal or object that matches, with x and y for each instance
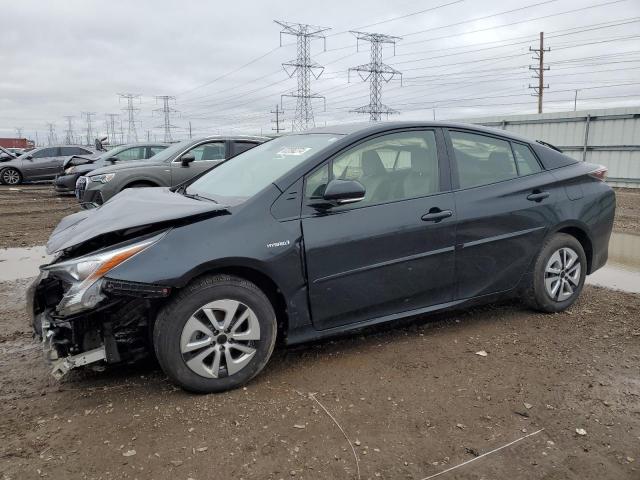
(16, 143)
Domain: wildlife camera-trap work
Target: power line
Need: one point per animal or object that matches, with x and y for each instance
(304, 67)
(377, 73)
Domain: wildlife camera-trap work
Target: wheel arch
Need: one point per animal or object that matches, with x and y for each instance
(580, 233)
(262, 280)
(143, 181)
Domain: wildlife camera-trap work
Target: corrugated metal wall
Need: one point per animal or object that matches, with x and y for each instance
(610, 137)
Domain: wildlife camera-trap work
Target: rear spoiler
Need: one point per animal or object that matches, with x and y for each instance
(546, 144)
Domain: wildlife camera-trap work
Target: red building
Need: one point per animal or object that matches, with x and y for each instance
(16, 143)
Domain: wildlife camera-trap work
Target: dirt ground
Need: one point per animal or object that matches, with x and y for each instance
(28, 213)
(413, 400)
(627, 210)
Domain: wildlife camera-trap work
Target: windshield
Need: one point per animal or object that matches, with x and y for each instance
(242, 177)
(171, 151)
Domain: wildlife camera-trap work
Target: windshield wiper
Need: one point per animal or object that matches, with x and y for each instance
(197, 196)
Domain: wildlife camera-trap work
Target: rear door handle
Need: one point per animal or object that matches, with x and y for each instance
(537, 196)
(435, 215)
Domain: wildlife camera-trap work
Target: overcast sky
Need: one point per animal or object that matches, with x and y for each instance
(459, 59)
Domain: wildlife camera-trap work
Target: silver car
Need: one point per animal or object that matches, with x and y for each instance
(172, 166)
(42, 163)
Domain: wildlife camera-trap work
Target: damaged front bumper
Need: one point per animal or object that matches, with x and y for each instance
(116, 331)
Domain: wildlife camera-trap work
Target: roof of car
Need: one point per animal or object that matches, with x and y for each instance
(233, 137)
(376, 127)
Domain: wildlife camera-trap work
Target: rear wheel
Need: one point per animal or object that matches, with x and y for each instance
(10, 176)
(217, 334)
(559, 274)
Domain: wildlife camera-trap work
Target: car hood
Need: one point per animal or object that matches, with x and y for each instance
(126, 166)
(132, 208)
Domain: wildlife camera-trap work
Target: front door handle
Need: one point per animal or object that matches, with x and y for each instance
(537, 196)
(435, 215)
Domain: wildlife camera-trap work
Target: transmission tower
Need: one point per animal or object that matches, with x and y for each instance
(538, 54)
(132, 134)
(376, 72)
(304, 68)
(88, 116)
(111, 129)
(69, 137)
(52, 138)
(19, 132)
(277, 128)
(166, 111)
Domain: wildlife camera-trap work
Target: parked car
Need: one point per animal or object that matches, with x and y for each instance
(42, 163)
(177, 164)
(6, 155)
(76, 166)
(315, 234)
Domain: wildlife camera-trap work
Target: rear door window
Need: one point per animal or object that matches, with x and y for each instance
(135, 153)
(239, 147)
(482, 159)
(47, 152)
(525, 159)
(151, 151)
(65, 151)
(209, 151)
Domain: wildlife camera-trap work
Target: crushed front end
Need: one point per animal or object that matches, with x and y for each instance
(84, 317)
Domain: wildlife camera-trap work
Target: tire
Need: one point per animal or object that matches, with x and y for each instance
(187, 352)
(552, 287)
(10, 176)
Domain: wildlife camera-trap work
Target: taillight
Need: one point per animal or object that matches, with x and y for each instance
(599, 173)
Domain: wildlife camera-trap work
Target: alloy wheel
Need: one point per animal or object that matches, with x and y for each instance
(562, 274)
(220, 339)
(10, 176)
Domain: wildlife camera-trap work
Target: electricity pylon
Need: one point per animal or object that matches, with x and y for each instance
(132, 134)
(376, 72)
(304, 68)
(166, 111)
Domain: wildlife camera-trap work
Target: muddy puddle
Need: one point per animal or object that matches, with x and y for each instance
(622, 271)
(17, 263)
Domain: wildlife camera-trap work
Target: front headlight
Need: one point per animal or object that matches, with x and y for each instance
(85, 275)
(107, 177)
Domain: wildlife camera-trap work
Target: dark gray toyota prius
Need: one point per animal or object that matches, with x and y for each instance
(315, 234)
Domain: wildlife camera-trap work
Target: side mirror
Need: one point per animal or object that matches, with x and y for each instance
(187, 158)
(112, 160)
(29, 157)
(340, 192)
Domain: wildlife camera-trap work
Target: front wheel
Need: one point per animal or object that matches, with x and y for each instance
(217, 334)
(10, 176)
(558, 276)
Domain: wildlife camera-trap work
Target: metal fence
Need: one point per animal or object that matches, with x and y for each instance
(609, 137)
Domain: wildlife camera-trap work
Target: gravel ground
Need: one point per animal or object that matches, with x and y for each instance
(413, 400)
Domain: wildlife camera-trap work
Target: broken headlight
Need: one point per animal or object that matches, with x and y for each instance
(85, 275)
